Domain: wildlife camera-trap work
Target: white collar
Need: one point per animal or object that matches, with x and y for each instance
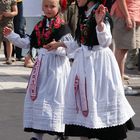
(87, 13)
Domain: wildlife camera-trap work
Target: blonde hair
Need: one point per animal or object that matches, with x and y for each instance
(43, 1)
(59, 6)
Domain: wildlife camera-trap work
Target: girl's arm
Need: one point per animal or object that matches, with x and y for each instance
(13, 13)
(104, 36)
(99, 16)
(65, 49)
(103, 29)
(16, 39)
(66, 44)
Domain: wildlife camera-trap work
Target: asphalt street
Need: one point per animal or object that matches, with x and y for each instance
(13, 82)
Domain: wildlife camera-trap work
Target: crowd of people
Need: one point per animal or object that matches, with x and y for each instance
(76, 87)
(126, 33)
(12, 16)
(8, 10)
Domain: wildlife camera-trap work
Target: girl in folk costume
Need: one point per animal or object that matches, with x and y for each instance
(95, 104)
(44, 101)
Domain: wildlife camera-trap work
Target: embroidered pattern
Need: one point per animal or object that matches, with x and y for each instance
(81, 95)
(43, 33)
(85, 28)
(32, 85)
(76, 90)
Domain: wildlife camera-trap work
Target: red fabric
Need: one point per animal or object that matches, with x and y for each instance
(104, 2)
(63, 4)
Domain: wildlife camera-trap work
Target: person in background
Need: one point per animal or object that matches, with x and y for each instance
(71, 16)
(8, 10)
(132, 59)
(19, 28)
(32, 18)
(44, 101)
(95, 103)
(126, 31)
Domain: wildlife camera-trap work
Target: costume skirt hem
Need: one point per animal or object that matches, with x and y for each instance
(114, 133)
(43, 131)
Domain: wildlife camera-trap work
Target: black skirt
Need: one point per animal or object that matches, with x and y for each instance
(110, 133)
(43, 131)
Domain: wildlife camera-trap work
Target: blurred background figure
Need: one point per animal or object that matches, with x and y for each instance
(126, 30)
(71, 16)
(32, 11)
(132, 59)
(19, 28)
(8, 9)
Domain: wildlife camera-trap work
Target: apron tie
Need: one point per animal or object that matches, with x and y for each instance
(32, 85)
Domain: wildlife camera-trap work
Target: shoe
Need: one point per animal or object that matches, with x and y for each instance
(13, 59)
(126, 87)
(33, 138)
(126, 77)
(132, 92)
(9, 61)
(128, 90)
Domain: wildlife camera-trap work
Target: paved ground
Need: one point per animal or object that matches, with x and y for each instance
(13, 82)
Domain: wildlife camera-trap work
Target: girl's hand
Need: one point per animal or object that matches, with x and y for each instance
(54, 45)
(100, 14)
(7, 31)
(51, 46)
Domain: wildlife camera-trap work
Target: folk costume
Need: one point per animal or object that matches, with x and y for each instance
(95, 103)
(44, 101)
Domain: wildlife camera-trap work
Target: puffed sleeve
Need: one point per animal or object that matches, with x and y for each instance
(104, 37)
(70, 46)
(18, 41)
